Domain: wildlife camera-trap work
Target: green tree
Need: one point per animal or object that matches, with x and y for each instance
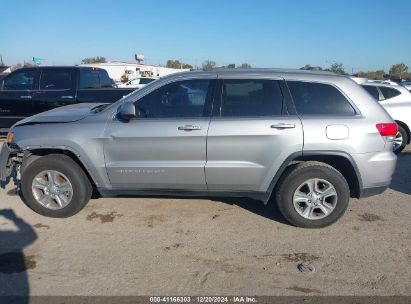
(97, 59)
(187, 66)
(245, 66)
(399, 70)
(231, 66)
(337, 68)
(209, 64)
(174, 64)
(309, 67)
(177, 64)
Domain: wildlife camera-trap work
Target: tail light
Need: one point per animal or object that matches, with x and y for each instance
(387, 129)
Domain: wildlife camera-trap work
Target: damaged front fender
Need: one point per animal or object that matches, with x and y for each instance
(10, 158)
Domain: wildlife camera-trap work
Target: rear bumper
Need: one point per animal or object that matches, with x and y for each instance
(376, 171)
(367, 192)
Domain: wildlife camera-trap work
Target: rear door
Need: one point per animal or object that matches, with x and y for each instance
(252, 132)
(16, 96)
(166, 149)
(56, 89)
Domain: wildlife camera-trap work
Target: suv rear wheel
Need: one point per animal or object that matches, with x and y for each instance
(55, 186)
(312, 195)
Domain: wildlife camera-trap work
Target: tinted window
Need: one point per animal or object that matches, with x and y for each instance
(178, 99)
(319, 99)
(146, 80)
(89, 79)
(23, 80)
(251, 98)
(56, 79)
(105, 80)
(373, 91)
(389, 92)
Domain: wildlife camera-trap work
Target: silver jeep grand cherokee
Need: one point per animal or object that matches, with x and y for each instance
(308, 140)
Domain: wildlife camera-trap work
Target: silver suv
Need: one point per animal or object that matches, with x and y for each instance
(308, 140)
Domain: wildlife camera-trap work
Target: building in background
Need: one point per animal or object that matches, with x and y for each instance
(121, 71)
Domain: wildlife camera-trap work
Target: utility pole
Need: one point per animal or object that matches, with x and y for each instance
(1, 60)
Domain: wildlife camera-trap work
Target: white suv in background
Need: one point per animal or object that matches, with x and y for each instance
(396, 99)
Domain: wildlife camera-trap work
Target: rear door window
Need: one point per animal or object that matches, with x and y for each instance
(251, 98)
(389, 92)
(56, 79)
(312, 98)
(105, 80)
(373, 91)
(89, 78)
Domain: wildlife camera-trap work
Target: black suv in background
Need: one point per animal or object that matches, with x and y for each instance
(30, 91)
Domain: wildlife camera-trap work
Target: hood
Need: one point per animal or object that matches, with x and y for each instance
(65, 114)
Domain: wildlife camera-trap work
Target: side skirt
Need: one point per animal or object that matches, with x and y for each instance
(260, 196)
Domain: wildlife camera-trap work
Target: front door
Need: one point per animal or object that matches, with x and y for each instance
(16, 96)
(251, 134)
(166, 147)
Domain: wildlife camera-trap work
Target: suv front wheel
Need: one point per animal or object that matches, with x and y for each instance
(312, 195)
(55, 186)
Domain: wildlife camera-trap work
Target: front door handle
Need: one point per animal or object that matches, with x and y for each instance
(25, 97)
(189, 128)
(283, 126)
(66, 97)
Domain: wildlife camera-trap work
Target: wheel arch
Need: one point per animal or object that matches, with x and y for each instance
(339, 160)
(30, 155)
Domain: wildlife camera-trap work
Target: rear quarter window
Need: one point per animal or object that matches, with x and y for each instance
(373, 91)
(319, 99)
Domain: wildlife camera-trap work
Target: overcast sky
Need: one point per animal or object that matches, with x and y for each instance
(363, 35)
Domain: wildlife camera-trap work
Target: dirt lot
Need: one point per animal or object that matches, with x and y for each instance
(162, 246)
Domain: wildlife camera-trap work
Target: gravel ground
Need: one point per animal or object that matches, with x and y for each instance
(164, 246)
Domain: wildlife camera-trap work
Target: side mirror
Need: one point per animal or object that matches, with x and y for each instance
(127, 111)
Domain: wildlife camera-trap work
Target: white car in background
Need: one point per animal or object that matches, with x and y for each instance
(137, 83)
(407, 85)
(396, 99)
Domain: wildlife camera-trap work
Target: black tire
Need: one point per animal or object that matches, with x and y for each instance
(297, 175)
(404, 135)
(82, 189)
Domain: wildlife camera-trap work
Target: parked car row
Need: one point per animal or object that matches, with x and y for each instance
(306, 140)
(396, 99)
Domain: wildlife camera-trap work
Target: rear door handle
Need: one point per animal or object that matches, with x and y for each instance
(283, 126)
(25, 97)
(189, 128)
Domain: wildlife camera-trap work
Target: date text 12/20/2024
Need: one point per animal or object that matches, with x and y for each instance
(203, 299)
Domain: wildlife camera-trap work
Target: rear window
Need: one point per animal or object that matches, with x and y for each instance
(373, 91)
(319, 99)
(389, 92)
(251, 98)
